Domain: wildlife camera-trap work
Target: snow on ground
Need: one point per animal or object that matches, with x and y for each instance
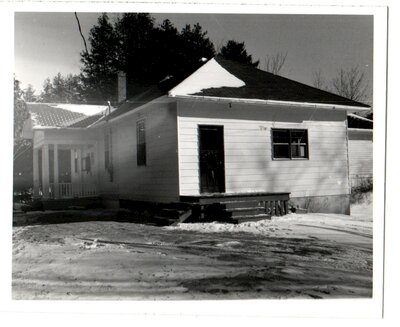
(295, 256)
(359, 223)
(210, 75)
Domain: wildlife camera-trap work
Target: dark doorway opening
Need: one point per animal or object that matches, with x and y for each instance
(212, 159)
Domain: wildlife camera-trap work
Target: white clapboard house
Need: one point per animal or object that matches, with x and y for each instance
(229, 132)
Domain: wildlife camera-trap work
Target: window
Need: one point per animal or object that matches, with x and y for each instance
(289, 144)
(86, 164)
(108, 165)
(141, 143)
(107, 150)
(76, 161)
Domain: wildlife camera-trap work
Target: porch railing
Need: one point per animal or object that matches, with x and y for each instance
(72, 190)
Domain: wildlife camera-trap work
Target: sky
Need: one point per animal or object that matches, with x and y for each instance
(48, 43)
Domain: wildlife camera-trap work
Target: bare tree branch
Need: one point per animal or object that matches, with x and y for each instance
(319, 81)
(275, 63)
(351, 84)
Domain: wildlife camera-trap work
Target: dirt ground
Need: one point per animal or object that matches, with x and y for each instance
(296, 256)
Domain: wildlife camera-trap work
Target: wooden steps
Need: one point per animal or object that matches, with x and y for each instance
(237, 208)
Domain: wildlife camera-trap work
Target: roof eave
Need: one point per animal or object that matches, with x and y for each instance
(39, 128)
(103, 120)
(271, 102)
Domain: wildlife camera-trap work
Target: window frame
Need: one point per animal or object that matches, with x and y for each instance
(86, 164)
(108, 158)
(107, 152)
(75, 161)
(289, 144)
(141, 148)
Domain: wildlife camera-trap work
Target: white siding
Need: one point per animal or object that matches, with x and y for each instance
(360, 154)
(249, 166)
(158, 180)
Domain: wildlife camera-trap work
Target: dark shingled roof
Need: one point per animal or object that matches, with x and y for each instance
(151, 93)
(50, 116)
(266, 86)
(86, 122)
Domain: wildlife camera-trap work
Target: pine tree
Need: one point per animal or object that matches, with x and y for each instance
(194, 45)
(101, 63)
(63, 89)
(20, 115)
(29, 94)
(145, 52)
(236, 51)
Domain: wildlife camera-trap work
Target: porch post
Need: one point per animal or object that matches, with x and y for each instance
(45, 171)
(36, 172)
(56, 187)
(73, 172)
(80, 173)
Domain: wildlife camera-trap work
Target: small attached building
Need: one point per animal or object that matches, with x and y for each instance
(227, 131)
(360, 130)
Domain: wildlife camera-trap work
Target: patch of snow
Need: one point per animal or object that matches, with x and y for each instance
(91, 245)
(85, 109)
(210, 75)
(257, 227)
(360, 221)
(229, 244)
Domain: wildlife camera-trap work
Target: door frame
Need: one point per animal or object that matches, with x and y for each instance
(223, 179)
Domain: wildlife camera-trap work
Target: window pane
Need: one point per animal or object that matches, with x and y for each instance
(141, 143)
(299, 136)
(281, 151)
(299, 151)
(280, 136)
(87, 163)
(141, 154)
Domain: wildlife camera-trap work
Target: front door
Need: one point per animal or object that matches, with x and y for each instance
(212, 159)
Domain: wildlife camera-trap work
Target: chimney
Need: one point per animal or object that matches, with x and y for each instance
(121, 87)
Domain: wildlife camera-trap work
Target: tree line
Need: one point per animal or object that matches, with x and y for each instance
(144, 51)
(148, 53)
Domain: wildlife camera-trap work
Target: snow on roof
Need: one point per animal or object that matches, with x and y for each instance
(85, 109)
(47, 115)
(210, 75)
(226, 79)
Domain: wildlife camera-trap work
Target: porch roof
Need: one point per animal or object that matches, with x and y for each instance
(48, 115)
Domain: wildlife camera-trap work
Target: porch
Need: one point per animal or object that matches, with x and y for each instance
(64, 171)
(70, 190)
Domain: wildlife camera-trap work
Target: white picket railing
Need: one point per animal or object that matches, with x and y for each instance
(72, 190)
